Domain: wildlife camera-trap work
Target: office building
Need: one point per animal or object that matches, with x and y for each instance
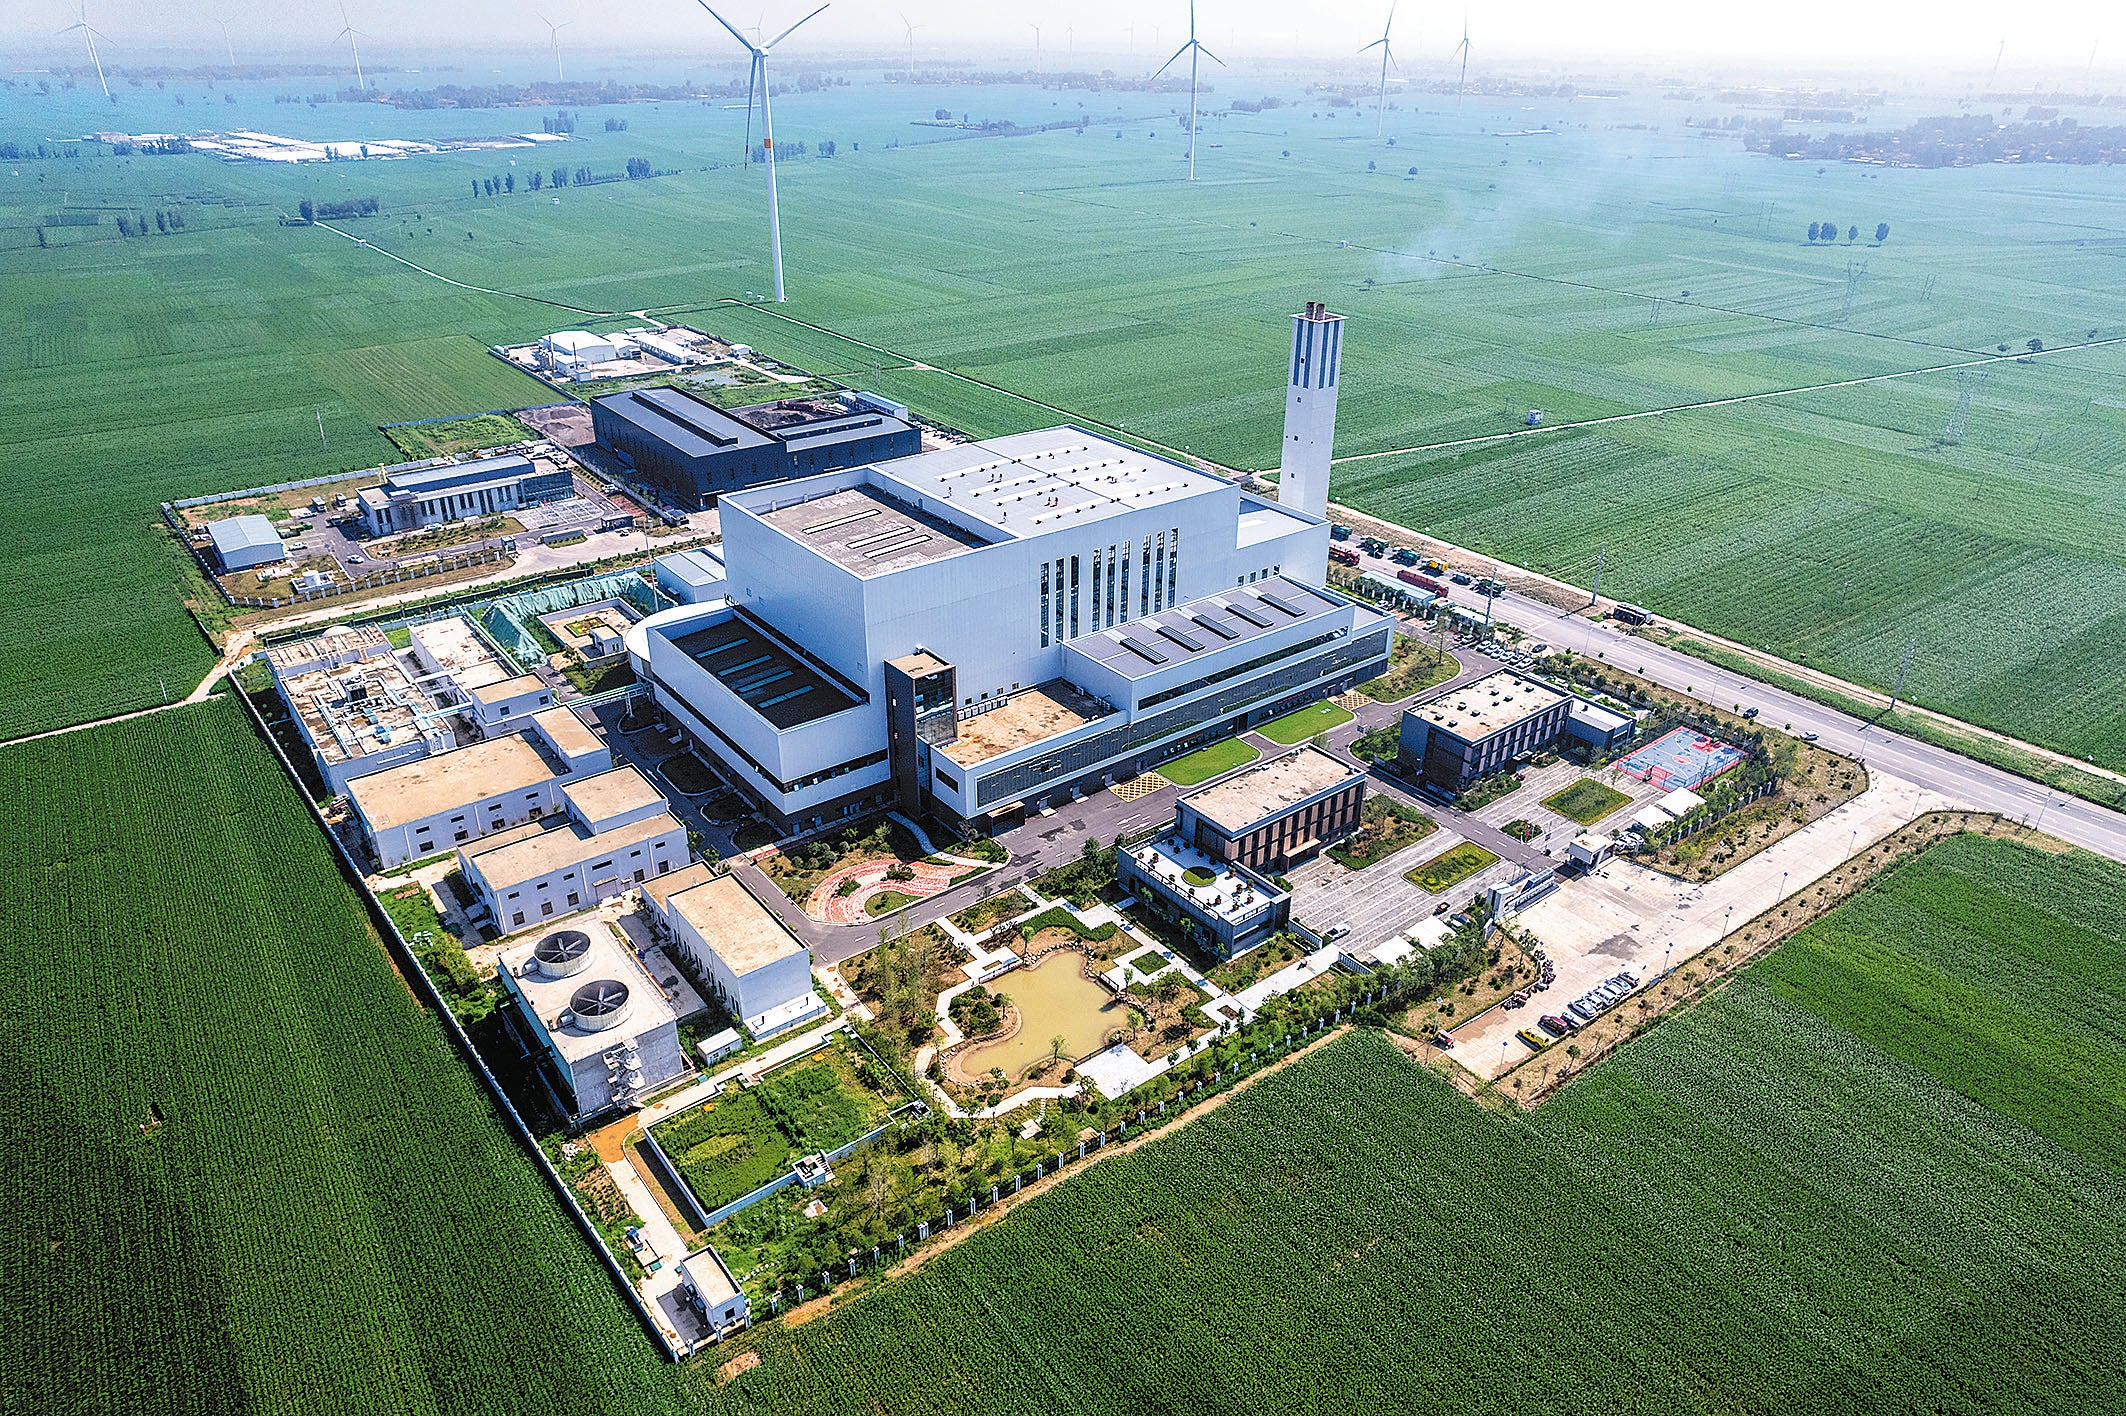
(695, 452)
(1480, 729)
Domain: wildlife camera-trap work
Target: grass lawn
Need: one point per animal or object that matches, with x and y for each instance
(1413, 667)
(1298, 727)
(1208, 762)
(886, 901)
(686, 774)
(457, 436)
(1450, 868)
(1384, 828)
(1586, 801)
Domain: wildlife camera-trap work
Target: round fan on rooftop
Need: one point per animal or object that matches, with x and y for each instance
(599, 1005)
(564, 952)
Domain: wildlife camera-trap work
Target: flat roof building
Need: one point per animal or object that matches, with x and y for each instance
(761, 971)
(606, 1033)
(696, 451)
(416, 496)
(691, 576)
(452, 647)
(1223, 906)
(1269, 816)
(337, 647)
(359, 711)
(1480, 729)
(241, 542)
(422, 807)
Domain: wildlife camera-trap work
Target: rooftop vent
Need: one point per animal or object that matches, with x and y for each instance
(599, 1005)
(564, 952)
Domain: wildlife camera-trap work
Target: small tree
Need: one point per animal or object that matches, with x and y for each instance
(1852, 234)
(1882, 232)
(1055, 1047)
(1815, 230)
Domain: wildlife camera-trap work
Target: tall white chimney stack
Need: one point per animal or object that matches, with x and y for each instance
(1310, 410)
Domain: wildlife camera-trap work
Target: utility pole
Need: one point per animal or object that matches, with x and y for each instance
(321, 430)
(1600, 557)
(1898, 692)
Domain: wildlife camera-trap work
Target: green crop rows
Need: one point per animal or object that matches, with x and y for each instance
(1800, 1197)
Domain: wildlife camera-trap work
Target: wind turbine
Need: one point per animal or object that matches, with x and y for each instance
(1463, 50)
(1036, 50)
(1193, 49)
(348, 33)
(553, 34)
(1387, 57)
(89, 33)
(911, 44)
(227, 42)
(758, 83)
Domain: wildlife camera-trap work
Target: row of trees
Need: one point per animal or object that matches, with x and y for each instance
(338, 211)
(1828, 231)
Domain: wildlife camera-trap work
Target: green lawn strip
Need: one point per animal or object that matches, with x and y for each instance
(886, 901)
(1412, 668)
(1586, 801)
(1208, 762)
(1450, 867)
(1300, 726)
(1385, 827)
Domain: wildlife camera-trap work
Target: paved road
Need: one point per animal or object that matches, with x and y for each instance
(1972, 783)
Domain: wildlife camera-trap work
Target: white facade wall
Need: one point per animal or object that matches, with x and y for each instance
(751, 994)
(456, 825)
(601, 872)
(511, 714)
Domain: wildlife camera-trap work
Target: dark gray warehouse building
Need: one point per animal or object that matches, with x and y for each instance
(696, 451)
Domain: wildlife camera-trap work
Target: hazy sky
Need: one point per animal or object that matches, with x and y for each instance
(2045, 38)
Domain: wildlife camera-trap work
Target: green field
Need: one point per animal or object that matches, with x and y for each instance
(1059, 275)
(1302, 725)
(1450, 867)
(246, 1171)
(1208, 762)
(1586, 801)
(1804, 1196)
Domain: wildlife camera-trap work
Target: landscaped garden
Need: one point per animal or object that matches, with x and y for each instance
(1385, 826)
(731, 1146)
(1413, 667)
(1450, 867)
(1208, 762)
(1586, 801)
(1305, 723)
(686, 774)
(1489, 790)
(1381, 744)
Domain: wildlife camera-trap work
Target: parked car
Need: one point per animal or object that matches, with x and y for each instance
(1809, 737)
(1553, 1024)
(354, 560)
(1533, 1038)
(1749, 712)
(1460, 577)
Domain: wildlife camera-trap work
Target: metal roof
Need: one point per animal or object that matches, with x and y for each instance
(243, 533)
(1203, 626)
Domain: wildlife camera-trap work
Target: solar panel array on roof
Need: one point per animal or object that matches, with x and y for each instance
(1142, 650)
(1186, 641)
(1243, 612)
(1276, 604)
(1222, 631)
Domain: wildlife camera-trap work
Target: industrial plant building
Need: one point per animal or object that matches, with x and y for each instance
(241, 542)
(605, 1031)
(410, 498)
(760, 970)
(990, 627)
(1271, 816)
(616, 832)
(1480, 729)
(695, 451)
(438, 802)
(1222, 906)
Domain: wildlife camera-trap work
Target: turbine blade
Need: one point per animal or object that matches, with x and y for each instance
(1170, 63)
(1374, 45)
(1210, 56)
(729, 26)
(790, 31)
(752, 87)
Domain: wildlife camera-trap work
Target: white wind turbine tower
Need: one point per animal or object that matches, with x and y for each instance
(553, 34)
(911, 44)
(227, 43)
(1036, 49)
(1463, 50)
(89, 32)
(1193, 48)
(1387, 57)
(348, 33)
(758, 83)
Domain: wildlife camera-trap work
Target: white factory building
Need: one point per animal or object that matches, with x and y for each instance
(756, 966)
(985, 628)
(609, 1032)
(616, 832)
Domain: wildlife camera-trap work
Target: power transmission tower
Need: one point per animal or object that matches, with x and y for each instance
(1966, 385)
(1601, 558)
(1653, 314)
(321, 430)
(1898, 692)
(1853, 271)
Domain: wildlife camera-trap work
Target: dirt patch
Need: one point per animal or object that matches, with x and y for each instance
(610, 1142)
(731, 1370)
(959, 1233)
